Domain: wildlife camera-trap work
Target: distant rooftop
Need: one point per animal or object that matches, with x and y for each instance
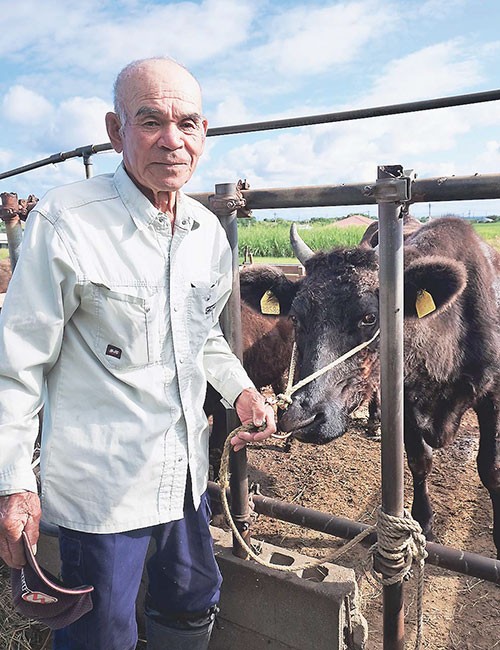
(354, 220)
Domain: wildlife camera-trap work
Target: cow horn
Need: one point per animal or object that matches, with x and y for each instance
(300, 248)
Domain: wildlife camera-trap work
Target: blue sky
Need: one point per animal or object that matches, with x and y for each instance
(258, 60)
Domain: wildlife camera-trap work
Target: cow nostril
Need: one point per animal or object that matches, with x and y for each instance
(304, 404)
(319, 418)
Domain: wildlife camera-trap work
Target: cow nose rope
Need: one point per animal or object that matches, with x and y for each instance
(400, 542)
(283, 400)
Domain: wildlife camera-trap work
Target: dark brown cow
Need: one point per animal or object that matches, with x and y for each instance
(5, 274)
(452, 354)
(267, 342)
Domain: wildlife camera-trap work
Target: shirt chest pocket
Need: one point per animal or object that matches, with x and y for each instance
(127, 330)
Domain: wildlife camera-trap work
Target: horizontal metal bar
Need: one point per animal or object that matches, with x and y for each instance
(85, 151)
(446, 557)
(359, 114)
(443, 188)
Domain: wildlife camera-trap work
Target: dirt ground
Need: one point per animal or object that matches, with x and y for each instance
(343, 478)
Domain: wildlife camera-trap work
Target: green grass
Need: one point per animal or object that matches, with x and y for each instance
(269, 242)
(273, 239)
(490, 232)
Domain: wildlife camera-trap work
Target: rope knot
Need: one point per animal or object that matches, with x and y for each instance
(400, 542)
(283, 401)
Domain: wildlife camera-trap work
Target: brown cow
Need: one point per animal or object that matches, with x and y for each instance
(267, 342)
(5, 274)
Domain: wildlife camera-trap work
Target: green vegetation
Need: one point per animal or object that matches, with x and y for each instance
(490, 232)
(271, 239)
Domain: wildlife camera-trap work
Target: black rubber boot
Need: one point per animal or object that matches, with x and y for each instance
(161, 637)
(179, 635)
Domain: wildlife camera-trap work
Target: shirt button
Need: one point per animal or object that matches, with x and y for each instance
(181, 360)
(176, 308)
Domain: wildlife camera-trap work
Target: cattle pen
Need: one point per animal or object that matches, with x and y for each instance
(394, 189)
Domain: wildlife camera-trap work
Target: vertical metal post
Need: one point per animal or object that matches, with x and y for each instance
(225, 205)
(87, 161)
(391, 379)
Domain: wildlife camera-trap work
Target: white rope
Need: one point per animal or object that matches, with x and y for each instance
(400, 542)
(285, 399)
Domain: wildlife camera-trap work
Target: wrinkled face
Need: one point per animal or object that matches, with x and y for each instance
(164, 131)
(335, 310)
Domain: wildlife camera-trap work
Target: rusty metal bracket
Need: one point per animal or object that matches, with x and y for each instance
(224, 205)
(394, 189)
(13, 207)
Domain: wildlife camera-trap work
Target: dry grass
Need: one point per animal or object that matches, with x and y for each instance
(16, 632)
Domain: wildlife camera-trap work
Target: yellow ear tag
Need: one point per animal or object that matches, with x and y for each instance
(269, 304)
(424, 303)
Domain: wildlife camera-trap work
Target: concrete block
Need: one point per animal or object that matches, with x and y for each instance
(311, 609)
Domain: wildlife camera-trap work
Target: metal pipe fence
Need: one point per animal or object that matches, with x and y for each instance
(446, 557)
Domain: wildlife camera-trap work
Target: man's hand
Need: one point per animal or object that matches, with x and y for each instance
(252, 409)
(18, 512)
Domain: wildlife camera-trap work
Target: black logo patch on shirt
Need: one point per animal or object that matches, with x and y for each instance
(113, 351)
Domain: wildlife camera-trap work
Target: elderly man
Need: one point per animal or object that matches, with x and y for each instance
(111, 323)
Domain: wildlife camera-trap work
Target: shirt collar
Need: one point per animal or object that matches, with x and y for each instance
(142, 211)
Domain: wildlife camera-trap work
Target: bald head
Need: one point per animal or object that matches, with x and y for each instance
(163, 71)
(158, 126)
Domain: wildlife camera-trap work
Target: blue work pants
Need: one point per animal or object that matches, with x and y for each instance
(183, 578)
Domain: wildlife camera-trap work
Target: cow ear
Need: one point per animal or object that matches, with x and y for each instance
(267, 290)
(432, 284)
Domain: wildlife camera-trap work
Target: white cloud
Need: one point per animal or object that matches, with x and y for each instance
(308, 40)
(433, 71)
(40, 128)
(489, 160)
(76, 122)
(24, 106)
(5, 157)
(437, 9)
(231, 110)
(99, 37)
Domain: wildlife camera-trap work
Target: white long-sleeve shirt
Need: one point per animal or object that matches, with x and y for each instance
(111, 323)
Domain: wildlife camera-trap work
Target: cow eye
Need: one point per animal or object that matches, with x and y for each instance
(368, 319)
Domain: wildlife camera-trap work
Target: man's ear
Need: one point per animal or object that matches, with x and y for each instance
(113, 128)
